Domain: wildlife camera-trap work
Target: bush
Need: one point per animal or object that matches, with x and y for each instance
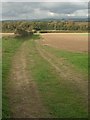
(22, 32)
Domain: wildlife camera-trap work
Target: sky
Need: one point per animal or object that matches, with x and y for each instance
(26, 9)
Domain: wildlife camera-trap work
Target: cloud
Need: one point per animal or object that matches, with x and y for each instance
(38, 10)
(44, 0)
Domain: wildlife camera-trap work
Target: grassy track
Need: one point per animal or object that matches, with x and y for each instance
(10, 46)
(61, 97)
(79, 60)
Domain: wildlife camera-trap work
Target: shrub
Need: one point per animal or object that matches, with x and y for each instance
(22, 32)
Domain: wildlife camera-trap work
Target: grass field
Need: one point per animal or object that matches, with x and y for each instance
(43, 81)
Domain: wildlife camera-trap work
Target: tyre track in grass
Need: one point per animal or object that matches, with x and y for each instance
(23, 95)
(65, 70)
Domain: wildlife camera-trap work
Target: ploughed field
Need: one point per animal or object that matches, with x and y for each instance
(67, 41)
(45, 76)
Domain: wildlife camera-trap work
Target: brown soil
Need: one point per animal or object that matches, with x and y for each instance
(24, 98)
(66, 41)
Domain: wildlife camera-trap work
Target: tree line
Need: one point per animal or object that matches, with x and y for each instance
(41, 26)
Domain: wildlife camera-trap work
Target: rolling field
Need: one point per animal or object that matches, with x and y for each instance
(45, 76)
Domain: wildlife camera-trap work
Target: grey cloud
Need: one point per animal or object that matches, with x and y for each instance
(45, 0)
(32, 10)
(62, 6)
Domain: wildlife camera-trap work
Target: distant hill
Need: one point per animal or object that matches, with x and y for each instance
(54, 19)
(64, 19)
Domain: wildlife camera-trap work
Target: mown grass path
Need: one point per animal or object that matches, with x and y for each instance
(23, 94)
(9, 47)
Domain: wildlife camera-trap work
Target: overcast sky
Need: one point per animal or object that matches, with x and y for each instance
(38, 10)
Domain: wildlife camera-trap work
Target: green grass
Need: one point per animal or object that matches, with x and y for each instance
(62, 98)
(36, 36)
(79, 60)
(9, 46)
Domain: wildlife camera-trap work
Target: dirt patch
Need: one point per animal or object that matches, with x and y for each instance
(24, 98)
(67, 41)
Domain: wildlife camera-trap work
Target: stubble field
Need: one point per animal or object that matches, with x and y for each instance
(67, 41)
